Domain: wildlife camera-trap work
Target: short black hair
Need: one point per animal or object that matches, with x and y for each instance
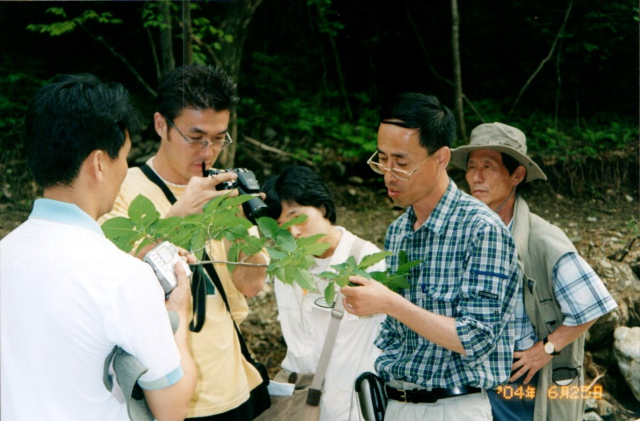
(70, 118)
(301, 185)
(198, 87)
(424, 112)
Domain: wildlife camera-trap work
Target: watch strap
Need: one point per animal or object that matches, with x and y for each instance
(545, 341)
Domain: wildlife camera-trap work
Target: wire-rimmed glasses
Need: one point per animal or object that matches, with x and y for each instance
(219, 144)
(397, 173)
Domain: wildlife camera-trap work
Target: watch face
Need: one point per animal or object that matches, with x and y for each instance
(549, 348)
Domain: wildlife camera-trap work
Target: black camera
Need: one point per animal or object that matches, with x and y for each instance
(246, 183)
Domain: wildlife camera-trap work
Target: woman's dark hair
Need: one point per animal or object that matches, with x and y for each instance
(197, 87)
(424, 112)
(300, 185)
(70, 118)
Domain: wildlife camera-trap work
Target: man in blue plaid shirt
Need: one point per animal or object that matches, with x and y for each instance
(561, 294)
(450, 335)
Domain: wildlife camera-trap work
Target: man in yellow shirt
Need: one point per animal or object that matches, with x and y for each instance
(192, 119)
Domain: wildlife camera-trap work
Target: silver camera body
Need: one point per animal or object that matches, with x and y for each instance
(162, 259)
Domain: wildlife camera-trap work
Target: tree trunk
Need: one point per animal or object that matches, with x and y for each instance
(166, 41)
(187, 50)
(457, 72)
(236, 24)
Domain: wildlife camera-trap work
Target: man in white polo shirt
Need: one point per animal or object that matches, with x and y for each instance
(69, 296)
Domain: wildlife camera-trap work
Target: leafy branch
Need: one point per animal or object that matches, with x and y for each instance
(290, 258)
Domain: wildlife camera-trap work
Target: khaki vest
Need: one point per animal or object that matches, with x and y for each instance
(540, 245)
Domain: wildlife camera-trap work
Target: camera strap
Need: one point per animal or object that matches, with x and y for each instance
(199, 278)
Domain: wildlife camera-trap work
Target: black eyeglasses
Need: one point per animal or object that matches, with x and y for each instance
(204, 144)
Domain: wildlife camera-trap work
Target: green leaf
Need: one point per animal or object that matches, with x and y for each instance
(361, 272)
(213, 204)
(58, 11)
(282, 276)
(297, 220)
(303, 241)
(330, 293)
(121, 232)
(232, 256)
(144, 243)
(234, 202)
(329, 276)
(404, 268)
(286, 241)
(142, 212)
(303, 278)
(372, 259)
(317, 249)
(276, 254)
(268, 227)
(392, 281)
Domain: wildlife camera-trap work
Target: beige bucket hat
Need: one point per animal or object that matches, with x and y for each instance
(502, 138)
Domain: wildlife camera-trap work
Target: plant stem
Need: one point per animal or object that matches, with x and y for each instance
(204, 262)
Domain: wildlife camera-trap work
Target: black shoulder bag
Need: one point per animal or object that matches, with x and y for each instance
(259, 395)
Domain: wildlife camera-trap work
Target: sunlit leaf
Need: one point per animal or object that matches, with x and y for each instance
(372, 259)
(330, 293)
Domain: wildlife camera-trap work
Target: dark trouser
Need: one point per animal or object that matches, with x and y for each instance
(242, 413)
(515, 400)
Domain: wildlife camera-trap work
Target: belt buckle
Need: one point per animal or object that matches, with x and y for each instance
(403, 395)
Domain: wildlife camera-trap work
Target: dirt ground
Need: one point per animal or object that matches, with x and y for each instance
(599, 226)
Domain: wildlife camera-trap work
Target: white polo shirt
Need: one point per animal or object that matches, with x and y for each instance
(67, 297)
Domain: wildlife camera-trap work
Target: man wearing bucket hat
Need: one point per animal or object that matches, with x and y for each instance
(560, 295)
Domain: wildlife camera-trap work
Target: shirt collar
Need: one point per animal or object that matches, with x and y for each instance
(441, 214)
(65, 213)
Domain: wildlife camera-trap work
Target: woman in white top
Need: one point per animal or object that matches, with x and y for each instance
(304, 315)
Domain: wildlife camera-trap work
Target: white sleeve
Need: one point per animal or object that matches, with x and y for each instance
(140, 326)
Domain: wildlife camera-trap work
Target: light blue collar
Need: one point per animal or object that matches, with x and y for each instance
(66, 213)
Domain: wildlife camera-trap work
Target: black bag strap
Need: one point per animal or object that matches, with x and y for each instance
(198, 281)
(243, 345)
(151, 175)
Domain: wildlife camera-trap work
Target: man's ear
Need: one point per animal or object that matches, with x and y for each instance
(519, 174)
(94, 165)
(443, 156)
(160, 124)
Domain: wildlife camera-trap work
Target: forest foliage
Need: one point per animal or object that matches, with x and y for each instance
(312, 75)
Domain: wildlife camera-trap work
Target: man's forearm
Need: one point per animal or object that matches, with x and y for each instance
(441, 330)
(565, 335)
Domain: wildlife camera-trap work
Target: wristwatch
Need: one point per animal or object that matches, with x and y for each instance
(549, 347)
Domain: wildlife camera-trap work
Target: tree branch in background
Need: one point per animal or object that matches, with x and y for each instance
(154, 53)
(547, 58)
(121, 58)
(457, 71)
(433, 70)
(277, 151)
(187, 50)
(555, 119)
(166, 38)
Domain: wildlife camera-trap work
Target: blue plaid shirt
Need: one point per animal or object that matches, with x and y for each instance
(469, 272)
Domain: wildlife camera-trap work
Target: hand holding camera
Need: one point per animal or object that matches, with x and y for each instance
(246, 183)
